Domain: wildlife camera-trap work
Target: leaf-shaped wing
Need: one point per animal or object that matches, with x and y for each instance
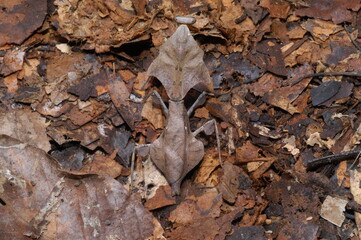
(180, 65)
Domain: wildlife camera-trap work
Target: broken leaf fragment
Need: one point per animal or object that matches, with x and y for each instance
(324, 92)
(332, 210)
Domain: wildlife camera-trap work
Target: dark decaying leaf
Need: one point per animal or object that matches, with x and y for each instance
(268, 56)
(247, 232)
(324, 92)
(344, 91)
(20, 18)
(126, 145)
(224, 68)
(37, 200)
(120, 94)
(180, 65)
(92, 86)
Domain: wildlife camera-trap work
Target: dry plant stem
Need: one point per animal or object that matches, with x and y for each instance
(332, 159)
(295, 46)
(351, 74)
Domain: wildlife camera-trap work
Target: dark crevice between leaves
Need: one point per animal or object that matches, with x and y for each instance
(2, 202)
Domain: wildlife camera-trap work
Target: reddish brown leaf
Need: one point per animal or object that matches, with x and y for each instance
(197, 208)
(27, 126)
(277, 8)
(12, 62)
(38, 201)
(20, 18)
(163, 197)
(337, 10)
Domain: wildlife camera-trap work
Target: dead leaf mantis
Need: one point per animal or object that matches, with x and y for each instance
(179, 67)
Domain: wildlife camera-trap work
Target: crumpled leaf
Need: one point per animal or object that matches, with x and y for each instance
(180, 65)
(153, 114)
(92, 86)
(208, 228)
(321, 29)
(108, 25)
(229, 184)
(38, 201)
(12, 62)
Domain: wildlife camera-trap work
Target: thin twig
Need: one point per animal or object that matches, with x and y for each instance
(335, 158)
(295, 46)
(352, 40)
(322, 74)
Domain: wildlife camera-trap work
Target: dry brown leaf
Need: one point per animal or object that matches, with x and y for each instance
(229, 182)
(247, 152)
(356, 192)
(277, 8)
(321, 29)
(153, 114)
(102, 165)
(163, 197)
(337, 10)
(13, 61)
(202, 113)
(40, 202)
(196, 208)
(11, 82)
(207, 167)
(20, 19)
(27, 126)
(119, 94)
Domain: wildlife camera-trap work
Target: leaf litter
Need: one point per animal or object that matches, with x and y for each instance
(83, 106)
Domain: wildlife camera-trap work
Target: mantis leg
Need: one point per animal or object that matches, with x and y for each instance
(206, 128)
(195, 104)
(164, 107)
(155, 93)
(132, 162)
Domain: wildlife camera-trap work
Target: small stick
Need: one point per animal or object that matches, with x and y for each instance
(295, 46)
(335, 158)
(322, 74)
(352, 40)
